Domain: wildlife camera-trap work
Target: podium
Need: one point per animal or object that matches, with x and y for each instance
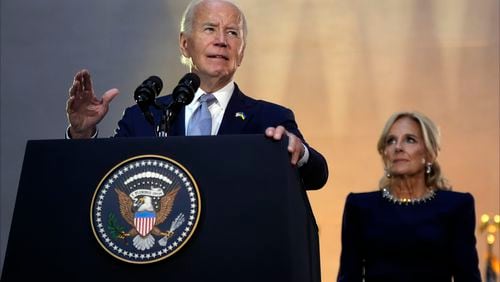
(255, 223)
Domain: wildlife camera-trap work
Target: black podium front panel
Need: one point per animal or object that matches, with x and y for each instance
(255, 222)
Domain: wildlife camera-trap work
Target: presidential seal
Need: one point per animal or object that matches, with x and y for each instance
(145, 209)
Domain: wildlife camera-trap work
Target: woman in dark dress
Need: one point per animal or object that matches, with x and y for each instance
(414, 228)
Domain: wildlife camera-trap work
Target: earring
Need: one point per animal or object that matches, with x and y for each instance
(428, 168)
(387, 173)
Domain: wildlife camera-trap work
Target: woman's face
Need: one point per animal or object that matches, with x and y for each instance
(405, 153)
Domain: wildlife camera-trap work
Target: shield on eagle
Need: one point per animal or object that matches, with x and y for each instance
(144, 222)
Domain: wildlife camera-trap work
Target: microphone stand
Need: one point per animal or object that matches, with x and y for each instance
(166, 116)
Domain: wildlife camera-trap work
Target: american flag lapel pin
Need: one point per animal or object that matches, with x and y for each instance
(240, 115)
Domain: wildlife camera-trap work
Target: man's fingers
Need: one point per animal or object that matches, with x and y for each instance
(275, 132)
(75, 89)
(278, 133)
(78, 76)
(293, 148)
(110, 95)
(269, 131)
(295, 145)
(86, 81)
(78, 83)
(69, 105)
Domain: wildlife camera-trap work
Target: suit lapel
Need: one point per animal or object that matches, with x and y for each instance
(178, 127)
(238, 113)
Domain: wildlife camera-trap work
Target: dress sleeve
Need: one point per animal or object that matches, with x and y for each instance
(465, 264)
(351, 260)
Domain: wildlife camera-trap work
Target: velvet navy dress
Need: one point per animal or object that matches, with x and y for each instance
(426, 242)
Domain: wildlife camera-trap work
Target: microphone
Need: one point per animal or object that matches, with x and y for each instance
(182, 95)
(145, 95)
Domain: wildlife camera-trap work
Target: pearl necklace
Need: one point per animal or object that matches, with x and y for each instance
(406, 201)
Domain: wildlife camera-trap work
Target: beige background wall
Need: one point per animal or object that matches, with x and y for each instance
(343, 66)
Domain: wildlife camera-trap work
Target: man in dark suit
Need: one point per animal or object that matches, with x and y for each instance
(212, 43)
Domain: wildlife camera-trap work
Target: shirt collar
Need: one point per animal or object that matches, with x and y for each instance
(223, 95)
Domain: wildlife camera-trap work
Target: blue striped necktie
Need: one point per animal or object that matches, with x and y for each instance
(201, 120)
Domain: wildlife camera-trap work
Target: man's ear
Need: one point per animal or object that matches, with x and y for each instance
(183, 45)
(242, 55)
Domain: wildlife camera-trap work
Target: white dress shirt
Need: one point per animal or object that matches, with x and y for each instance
(217, 108)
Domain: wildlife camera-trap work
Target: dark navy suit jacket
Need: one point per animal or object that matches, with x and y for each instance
(431, 241)
(258, 116)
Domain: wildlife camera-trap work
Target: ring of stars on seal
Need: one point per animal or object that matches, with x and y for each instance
(145, 209)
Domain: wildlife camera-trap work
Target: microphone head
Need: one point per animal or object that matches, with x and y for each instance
(155, 82)
(145, 95)
(148, 90)
(191, 79)
(184, 92)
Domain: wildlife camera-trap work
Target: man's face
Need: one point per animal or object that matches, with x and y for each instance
(216, 44)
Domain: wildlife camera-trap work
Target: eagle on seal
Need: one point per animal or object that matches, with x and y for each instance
(144, 218)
